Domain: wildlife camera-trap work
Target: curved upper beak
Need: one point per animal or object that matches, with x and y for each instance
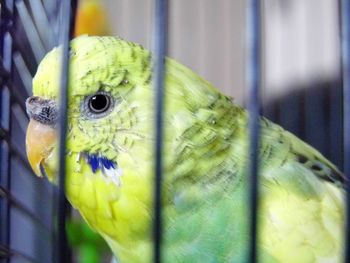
(40, 141)
(41, 134)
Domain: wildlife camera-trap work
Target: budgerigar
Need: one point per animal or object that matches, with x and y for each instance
(110, 161)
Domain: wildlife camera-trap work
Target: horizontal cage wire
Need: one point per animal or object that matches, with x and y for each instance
(34, 231)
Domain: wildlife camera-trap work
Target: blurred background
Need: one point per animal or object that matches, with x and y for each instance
(301, 39)
(301, 88)
(301, 56)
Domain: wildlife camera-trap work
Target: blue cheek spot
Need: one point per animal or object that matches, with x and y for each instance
(107, 163)
(99, 162)
(93, 161)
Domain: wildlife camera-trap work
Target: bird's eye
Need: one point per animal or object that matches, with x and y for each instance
(99, 103)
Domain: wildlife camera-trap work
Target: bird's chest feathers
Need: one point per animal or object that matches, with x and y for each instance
(112, 197)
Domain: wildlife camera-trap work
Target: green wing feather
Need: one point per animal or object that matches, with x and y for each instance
(301, 215)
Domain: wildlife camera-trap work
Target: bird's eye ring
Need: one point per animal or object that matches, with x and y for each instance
(99, 103)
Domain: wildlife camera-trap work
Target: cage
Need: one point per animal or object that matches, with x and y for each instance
(26, 225)
(308, 104)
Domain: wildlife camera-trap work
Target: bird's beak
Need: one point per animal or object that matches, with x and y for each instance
(41, 134)
(40, 141)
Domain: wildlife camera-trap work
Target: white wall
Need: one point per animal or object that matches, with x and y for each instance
(302, 43)
(301, 39)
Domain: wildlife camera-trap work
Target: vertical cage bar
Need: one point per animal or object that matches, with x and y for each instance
(66, 24)
(254, 83)
(160, 49)
(345, 42)
(6, 48)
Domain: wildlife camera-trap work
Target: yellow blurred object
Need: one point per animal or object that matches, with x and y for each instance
(91, 19)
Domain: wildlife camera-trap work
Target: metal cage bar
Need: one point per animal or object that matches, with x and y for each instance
(6, 46)
(253, 84)
(160, 50)
(4, 193)
(68, 9)
(345, 42)
(7, 253)
(61, 245)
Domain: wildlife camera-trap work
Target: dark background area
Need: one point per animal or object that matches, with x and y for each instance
(314, 114)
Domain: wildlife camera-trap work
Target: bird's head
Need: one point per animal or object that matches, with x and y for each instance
(108, 106)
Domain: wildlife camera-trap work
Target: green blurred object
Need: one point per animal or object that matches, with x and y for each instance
(88, 245)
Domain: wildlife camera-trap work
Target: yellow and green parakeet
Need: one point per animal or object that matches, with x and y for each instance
(205, 202)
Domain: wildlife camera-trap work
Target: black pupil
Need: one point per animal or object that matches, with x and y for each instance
(99, 103)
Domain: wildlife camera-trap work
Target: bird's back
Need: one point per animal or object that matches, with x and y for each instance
(207, 218)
